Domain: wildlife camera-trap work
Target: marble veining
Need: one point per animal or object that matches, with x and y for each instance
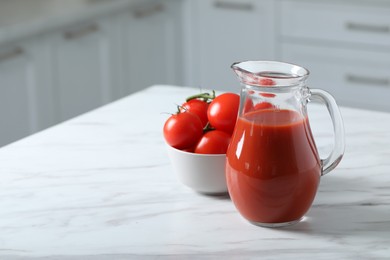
(100, 186)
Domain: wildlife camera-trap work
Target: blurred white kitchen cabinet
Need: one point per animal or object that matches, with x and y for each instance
(357, 78)
(26, 103)
(107, 58)
(344, 44)
(85, 66)
(151, 44)
(74, 68)
(220, 32)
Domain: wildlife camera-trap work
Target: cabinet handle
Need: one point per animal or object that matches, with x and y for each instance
(352, 26)
(11, 54)
(234, 6)
(71, 35)
(368, 80)
(148, 11)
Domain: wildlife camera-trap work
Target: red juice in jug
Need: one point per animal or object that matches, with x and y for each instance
(273, 168)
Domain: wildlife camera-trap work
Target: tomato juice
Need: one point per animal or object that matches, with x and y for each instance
(273, 168)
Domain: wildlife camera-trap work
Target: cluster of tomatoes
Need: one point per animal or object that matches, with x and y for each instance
(203, 124)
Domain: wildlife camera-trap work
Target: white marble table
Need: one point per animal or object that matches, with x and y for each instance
(100, 186)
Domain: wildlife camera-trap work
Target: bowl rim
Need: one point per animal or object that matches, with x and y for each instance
(196, 154)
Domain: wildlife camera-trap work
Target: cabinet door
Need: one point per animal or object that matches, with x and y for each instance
(357, 78)
(221, 32)
(151, 45)
(342, 22)
(26, 101)
(84, 67)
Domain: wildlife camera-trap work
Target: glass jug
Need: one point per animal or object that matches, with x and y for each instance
(273, 167)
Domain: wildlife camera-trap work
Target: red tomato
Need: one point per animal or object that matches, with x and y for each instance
(183, 130)
(213, 142)
(222, 112)
(189, 149)
(248, 106)
(197, 107)
(263, 105)
(266, 82)
(270, 95)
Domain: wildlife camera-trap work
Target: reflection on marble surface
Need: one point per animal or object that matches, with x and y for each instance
(100, 186)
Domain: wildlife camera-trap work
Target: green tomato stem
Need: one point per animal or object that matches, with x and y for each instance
(208, 128)
(204, 96)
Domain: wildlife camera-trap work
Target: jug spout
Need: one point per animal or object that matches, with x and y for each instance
(266, 73)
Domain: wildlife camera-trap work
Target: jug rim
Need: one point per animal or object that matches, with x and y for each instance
(283, 74)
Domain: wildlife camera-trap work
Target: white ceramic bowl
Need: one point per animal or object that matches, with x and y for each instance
(204, 173)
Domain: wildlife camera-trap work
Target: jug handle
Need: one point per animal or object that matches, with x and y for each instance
(334, 158)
